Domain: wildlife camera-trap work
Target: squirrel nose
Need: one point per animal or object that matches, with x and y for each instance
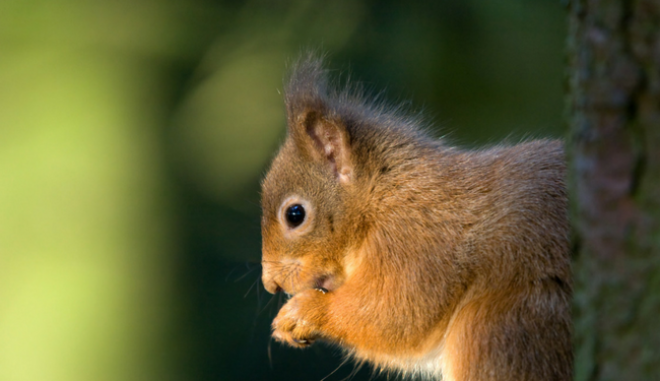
(272, 286)
(269, 283)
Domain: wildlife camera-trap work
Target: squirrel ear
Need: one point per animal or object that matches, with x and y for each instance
(324, 140)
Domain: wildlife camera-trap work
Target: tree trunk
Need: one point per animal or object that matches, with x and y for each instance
(614, 106)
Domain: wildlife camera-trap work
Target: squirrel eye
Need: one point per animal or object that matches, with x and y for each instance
(295, 215)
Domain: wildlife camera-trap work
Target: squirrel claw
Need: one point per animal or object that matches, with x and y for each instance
(287, 338)
(302, 341)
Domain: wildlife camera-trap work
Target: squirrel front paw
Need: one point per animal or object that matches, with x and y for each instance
(297, 323)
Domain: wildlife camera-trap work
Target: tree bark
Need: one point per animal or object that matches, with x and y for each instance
(614, 153)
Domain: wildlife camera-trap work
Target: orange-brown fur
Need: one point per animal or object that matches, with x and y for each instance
(436, 260)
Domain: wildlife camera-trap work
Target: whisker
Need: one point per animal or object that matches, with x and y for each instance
(251, 287)
(270, 357)
(356, 368)
(231, 272)
(272, 297)
(244, 275)
(344, 361)
(258, 294)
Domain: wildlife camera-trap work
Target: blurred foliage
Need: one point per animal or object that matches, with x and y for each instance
(133, 135)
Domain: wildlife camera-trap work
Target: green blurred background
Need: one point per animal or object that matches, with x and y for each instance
(133, 135)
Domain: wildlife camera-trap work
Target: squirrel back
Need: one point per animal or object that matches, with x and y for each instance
(413, 255)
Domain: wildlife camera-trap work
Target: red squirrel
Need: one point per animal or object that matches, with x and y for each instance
(413, 255)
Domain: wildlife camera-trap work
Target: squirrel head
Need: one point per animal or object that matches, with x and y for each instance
(308, 189)
(322, 188)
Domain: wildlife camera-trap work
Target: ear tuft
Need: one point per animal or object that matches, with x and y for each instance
(318, 132)
(306, 88)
